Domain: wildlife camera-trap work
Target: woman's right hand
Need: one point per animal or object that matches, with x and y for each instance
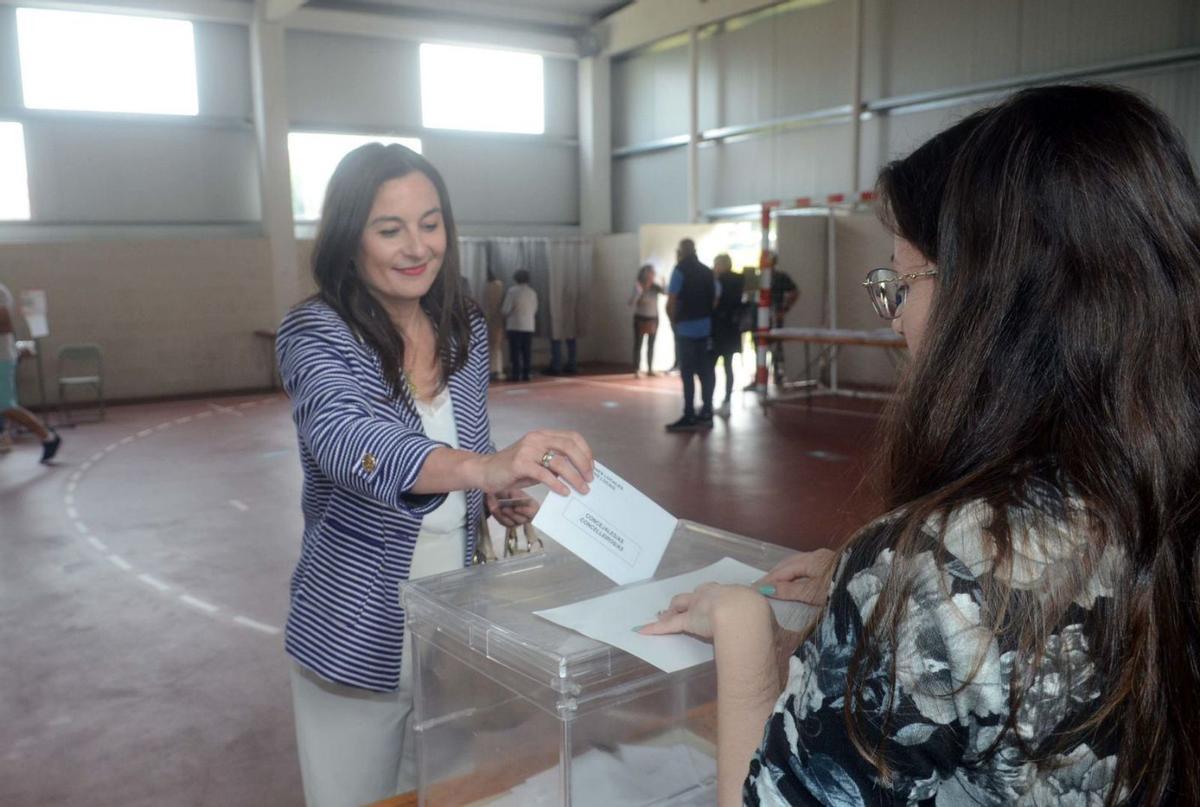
(804, 577)
(520, 465)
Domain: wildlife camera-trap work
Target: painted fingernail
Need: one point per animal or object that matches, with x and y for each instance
(767, 591)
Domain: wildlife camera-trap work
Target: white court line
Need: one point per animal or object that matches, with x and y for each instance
(120, 563)
(96, 542)
(154, 582)
(145, 432)
(127, 440)
(162, 427)
(85, 466)
(79, 525)
(225, 410)
(72, 513)
(184, 419)
(240, 505)
(207, 607)
(99, 455)
(246, 622)
(110, 447)
(69, 500)
(203, 415)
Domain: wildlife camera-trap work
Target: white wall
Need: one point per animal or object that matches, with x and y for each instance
(614, 267)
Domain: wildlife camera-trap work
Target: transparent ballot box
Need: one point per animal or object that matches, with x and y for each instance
(511, 709)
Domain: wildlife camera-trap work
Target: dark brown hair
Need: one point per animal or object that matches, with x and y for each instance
(348, 201)
(1061, 355)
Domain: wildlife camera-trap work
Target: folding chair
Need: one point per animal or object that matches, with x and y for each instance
(80, 366)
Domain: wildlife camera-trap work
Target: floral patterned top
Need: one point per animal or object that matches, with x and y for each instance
(940, 735)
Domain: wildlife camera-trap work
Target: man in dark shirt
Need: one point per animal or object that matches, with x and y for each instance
(784, 294)
(691, 297)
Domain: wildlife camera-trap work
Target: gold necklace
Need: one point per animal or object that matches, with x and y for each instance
(408, 383)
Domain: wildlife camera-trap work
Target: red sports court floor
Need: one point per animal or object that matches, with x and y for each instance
(143, 578)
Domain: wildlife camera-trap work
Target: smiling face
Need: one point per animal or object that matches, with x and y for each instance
(404, 243)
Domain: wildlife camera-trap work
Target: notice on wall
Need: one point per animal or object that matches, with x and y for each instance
(34, 310)
(614, 527)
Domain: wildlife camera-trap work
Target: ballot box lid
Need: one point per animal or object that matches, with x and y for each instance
(484, 616)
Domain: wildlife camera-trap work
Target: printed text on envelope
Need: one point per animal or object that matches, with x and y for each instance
(596, 527)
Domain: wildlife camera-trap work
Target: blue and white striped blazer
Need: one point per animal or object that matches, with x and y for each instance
(362, 452)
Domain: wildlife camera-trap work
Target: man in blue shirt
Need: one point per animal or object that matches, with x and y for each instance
(691, 296)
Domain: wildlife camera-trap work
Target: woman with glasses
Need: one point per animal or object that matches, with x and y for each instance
(1023, 624)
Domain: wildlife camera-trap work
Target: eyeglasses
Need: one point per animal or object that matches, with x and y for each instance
(887, 289)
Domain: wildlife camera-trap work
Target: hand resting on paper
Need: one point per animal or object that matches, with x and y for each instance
(803, 577)
(701, 611)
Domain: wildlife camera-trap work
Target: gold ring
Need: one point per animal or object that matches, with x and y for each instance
(546, 459)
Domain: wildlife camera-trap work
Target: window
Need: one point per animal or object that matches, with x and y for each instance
(106, 62)
(14, 185)
(482, 90)
(313, 157)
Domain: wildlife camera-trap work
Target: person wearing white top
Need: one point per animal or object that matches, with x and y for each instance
(10, 409)
(520, 312)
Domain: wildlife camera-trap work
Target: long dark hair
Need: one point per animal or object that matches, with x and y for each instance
(348, 201)
(1062, 355)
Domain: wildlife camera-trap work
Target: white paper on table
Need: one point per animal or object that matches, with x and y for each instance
(611, 618)
(614, 527)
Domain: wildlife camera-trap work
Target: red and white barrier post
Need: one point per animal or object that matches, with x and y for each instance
(764, 304)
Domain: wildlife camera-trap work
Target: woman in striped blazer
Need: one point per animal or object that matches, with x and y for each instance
(387, 370)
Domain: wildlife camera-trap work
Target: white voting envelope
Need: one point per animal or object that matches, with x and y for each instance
(614, 528)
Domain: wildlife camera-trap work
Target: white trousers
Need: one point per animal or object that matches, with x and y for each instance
(357, 746)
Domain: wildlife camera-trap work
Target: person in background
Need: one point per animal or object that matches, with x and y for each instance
(387, 371)
(1022, 624)
(644, 302)
(520, 316)
(556, 357)
(726, 325)
(691, 296)
(10, 409)
(493, 300)
(784, 294)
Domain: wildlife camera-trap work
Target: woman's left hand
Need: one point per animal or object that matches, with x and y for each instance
(699, 612)
(520, 507)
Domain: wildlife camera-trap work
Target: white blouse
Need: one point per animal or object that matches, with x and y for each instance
(442, 540)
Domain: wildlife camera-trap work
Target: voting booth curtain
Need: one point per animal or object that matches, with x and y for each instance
(560, 271)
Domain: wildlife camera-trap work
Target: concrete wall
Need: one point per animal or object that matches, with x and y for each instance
(795, 59)
(172, 317)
